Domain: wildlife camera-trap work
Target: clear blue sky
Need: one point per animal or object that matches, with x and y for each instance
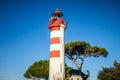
(24, 33)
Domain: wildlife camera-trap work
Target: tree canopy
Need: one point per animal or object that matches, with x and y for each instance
(84, 48)
(38, 69)
(81, 50)
(110, 73)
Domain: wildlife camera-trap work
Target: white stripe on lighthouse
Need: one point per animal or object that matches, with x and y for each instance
(55, 33)
(55, 47)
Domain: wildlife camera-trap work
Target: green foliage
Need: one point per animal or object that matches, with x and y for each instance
(117, 65)
(111, 73)
(38, 69)
(68, 71)
(84, 48)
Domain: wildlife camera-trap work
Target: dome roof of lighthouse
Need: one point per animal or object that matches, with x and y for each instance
(57, 13)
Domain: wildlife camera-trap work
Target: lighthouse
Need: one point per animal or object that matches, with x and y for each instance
(57, 61)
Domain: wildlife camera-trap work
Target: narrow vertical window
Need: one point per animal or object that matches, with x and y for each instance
(60, 67)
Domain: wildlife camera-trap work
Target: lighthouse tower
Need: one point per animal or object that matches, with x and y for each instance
(57, 61)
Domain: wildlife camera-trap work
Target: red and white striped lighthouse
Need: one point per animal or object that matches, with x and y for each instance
(57, 53)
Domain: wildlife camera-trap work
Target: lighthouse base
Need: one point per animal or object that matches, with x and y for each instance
(56, 69)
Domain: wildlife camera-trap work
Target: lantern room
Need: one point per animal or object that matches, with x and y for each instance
(57, 14)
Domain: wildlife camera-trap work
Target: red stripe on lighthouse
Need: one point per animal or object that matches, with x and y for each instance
(55, 53)
(55, 28)
(55, 40)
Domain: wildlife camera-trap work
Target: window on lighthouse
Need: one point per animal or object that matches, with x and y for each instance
(56, 16)
(59, 15)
